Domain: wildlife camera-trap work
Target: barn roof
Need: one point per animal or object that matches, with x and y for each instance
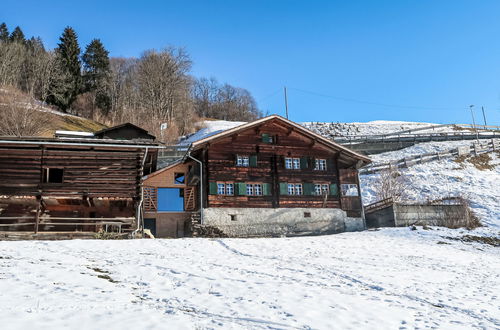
(79, 142)
(298, 128)
(124, 125)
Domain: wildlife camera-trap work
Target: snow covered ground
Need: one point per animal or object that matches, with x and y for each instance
(442, 178)
(388, 279)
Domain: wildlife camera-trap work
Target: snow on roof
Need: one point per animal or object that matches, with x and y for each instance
(73, 133)
(210, 128)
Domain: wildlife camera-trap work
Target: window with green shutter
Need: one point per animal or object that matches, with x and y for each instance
(212, 188)
(283, 188)
(308, 189)
(241, 188)
(266, 189)
(253, 161)
(334, 189)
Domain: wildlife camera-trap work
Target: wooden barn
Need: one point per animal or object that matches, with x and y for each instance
(267, 177)
(73, 184)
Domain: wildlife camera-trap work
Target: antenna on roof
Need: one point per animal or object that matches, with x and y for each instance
(286, 103)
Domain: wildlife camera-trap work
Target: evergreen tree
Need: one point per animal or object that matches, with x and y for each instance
(64, 91)
(17, 35)
(4, 32)
(96, 74)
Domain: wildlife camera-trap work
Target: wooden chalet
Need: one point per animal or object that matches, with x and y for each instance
(73, 184)
(265, 165)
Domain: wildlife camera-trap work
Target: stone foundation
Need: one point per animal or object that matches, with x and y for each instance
(252, 222)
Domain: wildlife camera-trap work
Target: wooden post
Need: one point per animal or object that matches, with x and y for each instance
(37, 215)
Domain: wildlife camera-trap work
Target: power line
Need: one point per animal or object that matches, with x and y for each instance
(371, 103)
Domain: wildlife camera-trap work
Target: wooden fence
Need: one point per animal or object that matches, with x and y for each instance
(476, 148)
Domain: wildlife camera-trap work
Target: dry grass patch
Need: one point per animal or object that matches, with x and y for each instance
(481, 162)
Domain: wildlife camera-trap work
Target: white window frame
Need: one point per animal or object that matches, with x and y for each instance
(230, 189)
(298, 189)
(320, 164)
(348, 189)
(250, 190)
(291, 189)
(242, 161)
(321, 188)
(221, 188)
(296, 163)
(288, 163)
(257, 189)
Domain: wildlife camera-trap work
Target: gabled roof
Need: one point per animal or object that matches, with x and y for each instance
(328, 143)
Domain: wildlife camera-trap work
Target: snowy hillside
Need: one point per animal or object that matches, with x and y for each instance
(446, 177)
(388, 279)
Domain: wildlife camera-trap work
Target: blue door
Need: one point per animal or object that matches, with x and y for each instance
(170, 199)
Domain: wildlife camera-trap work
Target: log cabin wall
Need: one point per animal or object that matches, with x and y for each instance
(69, 184)
(268, 146)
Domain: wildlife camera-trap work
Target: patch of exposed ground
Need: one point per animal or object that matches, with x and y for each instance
(481, 162)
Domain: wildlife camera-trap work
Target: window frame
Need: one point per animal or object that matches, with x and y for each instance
(224, 186)
(320, 164)
(46, 175)
(350, 185)
(242, 161)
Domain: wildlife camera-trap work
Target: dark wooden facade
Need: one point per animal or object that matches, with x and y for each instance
(268, 143)
(71, 184)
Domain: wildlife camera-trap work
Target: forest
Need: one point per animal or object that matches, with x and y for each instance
(153, 89)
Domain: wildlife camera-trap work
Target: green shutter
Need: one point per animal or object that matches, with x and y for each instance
(253, 161)
(330, 164)
(303, 163)
(265, 138)
(212, 188)
(308, 188)
(241, 188)
(266, 189)
(334, 189)
(283, 188)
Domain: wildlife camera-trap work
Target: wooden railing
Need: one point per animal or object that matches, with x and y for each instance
(150, 199)
(475, 148)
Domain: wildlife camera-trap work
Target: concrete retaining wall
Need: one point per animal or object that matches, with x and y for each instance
(249, 222)
(400, 215)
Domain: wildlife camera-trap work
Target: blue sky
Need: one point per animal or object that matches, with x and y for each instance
(341, 60)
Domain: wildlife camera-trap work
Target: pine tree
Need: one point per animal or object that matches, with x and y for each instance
(17, 35)
(96, 74)
(64, 91)
(4, 32)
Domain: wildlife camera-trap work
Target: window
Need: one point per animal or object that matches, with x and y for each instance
(292, 163)
(179, 178)
(320, 165)
(233, 217)
(267, 138)
(53, 175)
(249, 189)
(243, 161)
(224, 188)
(295, 189)
(221, 189)
(257, 189)
(307, 214)
(349, 189)
(321, 189)
(229, 189)
(298, 189)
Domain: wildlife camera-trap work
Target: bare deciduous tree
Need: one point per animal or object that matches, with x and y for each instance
(392, 184)
(20, 115)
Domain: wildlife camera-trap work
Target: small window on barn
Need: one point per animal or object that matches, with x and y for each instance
(233, 217)
(307, 214)
(349, 189)
(320, 165)
(53, 175)
(179, 178)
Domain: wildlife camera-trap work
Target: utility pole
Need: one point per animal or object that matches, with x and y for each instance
(286, 103)
(474, 122)
(484, 117)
